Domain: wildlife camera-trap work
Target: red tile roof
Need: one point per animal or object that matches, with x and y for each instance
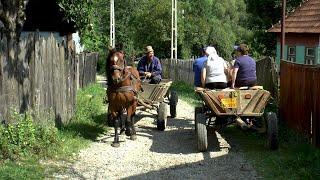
(305, 19)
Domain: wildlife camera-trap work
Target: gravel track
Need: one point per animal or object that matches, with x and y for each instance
(171, 154)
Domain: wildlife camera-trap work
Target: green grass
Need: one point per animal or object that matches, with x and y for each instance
(295, 158)
(28, 169)
(186, 93)
(87, 124)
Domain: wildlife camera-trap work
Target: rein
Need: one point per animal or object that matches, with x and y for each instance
(131, 87)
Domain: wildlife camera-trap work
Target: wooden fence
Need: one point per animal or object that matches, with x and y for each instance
(181, 70)
(43, 76)
(300, 100)
(178, 70)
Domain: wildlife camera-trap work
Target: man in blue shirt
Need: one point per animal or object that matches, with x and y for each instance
(197, 67)
(149, 66)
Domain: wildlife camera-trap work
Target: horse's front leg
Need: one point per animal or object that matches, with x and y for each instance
(116, 143)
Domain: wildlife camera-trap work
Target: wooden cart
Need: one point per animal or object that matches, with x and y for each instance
(158, 97)
(244, 107)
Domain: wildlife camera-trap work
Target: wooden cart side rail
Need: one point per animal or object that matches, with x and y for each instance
(211, 104)
(159, 91)
(262, 103)
(256, 98)
(217, 102)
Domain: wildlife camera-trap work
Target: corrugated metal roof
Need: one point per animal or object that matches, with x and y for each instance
(305, 19)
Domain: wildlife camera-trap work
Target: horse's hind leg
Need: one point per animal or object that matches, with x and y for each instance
(130, 130)
(133, 134)
(116, 143)
(122, 124)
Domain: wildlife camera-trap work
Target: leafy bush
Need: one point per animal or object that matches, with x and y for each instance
(23, 137)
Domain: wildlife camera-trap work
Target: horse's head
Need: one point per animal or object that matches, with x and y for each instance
(116, 65)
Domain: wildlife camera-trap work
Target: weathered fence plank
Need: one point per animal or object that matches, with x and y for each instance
(42, 77)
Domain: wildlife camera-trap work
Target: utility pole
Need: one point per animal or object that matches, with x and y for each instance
(112, 24)
(283, 29)
(174, 33)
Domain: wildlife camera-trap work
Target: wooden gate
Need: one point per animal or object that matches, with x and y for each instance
(299, 98)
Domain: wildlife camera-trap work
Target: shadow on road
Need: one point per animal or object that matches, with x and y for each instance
(178, 138)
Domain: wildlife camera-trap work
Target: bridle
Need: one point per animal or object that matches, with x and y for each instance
(124, 75)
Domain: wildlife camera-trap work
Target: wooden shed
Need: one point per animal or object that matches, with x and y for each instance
(302, 27)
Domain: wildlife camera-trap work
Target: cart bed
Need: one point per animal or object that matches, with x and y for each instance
(236, 102)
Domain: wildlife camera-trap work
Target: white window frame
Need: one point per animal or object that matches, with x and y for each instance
(310, 59)
(291, 56)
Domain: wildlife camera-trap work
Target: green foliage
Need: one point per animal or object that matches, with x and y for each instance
(21, 170)
(221, 23)
(186, 92)
(262, 15)
(78, 11)
(89, 118)
(25, 137)
(24, 142)
(295, 158)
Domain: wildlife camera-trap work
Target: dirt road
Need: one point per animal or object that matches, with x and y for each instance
(171, 154)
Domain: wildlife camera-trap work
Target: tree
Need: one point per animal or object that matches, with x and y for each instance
(80, 12)
(12, 17)
(263, 14)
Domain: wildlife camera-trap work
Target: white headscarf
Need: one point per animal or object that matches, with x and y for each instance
(212, 53)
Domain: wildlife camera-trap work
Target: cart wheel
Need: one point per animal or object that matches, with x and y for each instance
(162, 116)
(201, 130)
(173, 101)
(197, 110)
(272, 123)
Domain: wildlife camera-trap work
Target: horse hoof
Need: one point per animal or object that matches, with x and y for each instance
(128, 133)
(121, 131)
(133, 137)
(115, 144)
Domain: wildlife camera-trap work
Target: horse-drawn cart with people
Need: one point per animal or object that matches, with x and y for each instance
(243, 106)
(127, 92)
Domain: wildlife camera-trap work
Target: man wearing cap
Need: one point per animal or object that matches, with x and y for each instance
(149, 66)
(197, 67)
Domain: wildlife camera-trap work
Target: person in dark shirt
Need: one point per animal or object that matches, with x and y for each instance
(244, 69)
(197, 67)
(149, 67)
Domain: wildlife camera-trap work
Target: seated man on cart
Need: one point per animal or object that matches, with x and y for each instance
(149, 67)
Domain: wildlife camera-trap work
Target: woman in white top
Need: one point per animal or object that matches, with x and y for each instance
(213, 75)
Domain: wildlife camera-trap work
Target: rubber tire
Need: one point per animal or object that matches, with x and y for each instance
(162, 117)
(173, 101)
(201, 129)
(197, 110)
(272, 131)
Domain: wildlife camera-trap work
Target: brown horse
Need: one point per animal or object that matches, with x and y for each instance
(123, 85)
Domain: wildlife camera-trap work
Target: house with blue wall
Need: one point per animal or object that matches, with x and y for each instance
(302, 41)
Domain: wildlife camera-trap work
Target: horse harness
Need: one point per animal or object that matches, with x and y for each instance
(129, 75)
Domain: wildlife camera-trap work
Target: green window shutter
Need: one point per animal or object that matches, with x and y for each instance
(300, 54)
(318, 55)
(278, 53)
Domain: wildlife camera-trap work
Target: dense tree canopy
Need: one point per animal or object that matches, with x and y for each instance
(221, 23)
